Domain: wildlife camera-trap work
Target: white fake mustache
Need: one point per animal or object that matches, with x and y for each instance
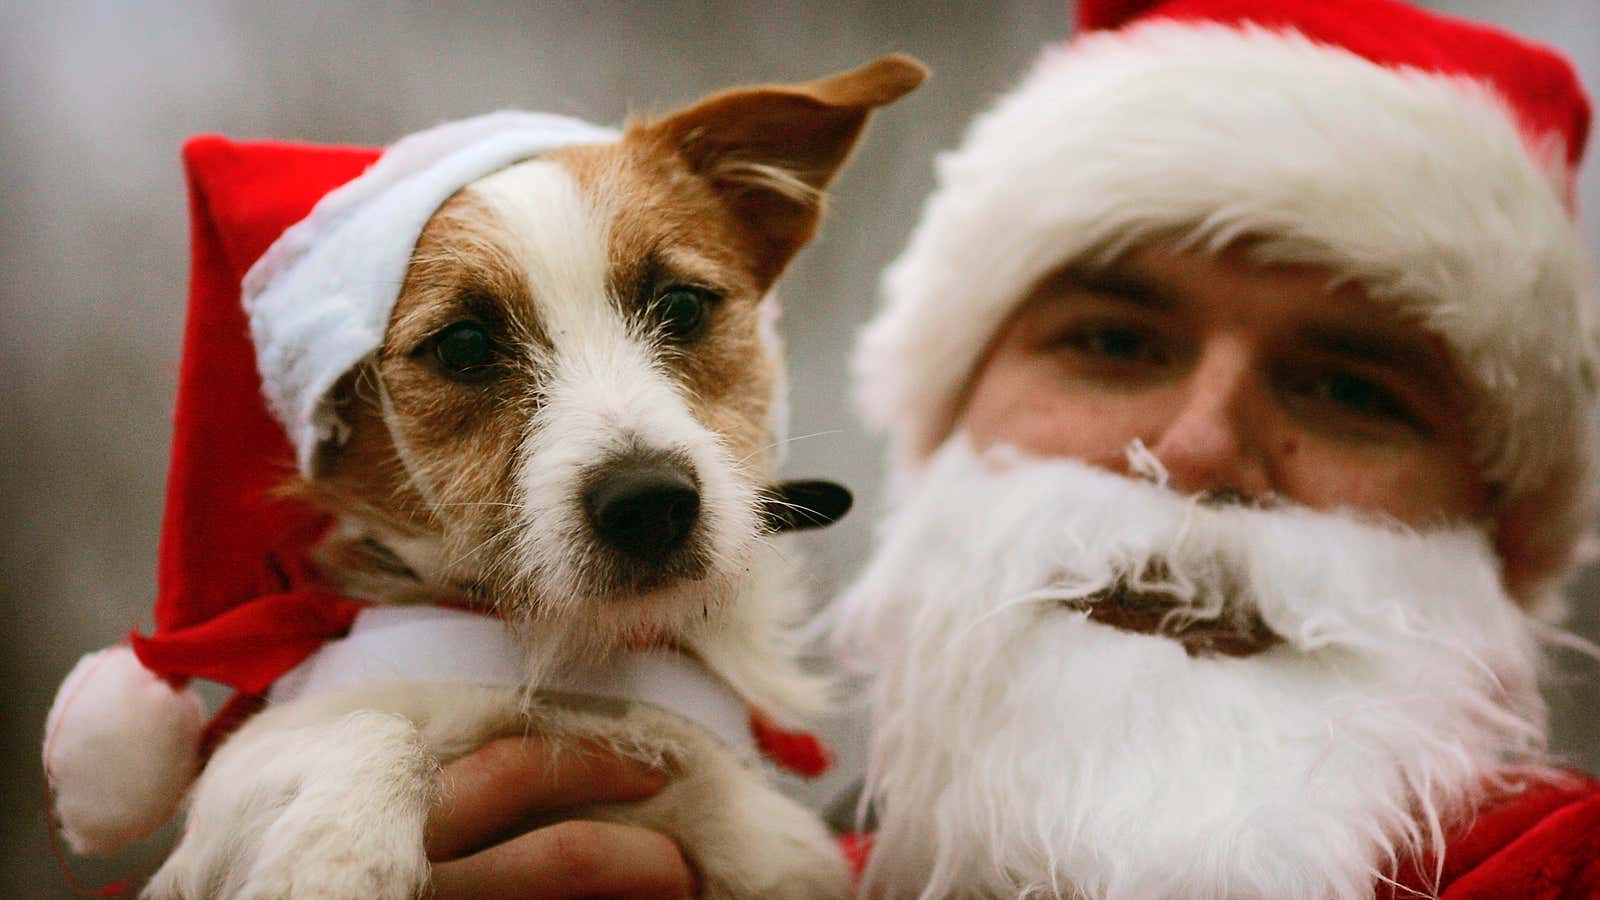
(1205, 570)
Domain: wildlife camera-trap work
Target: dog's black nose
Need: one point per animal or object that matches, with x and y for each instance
(643, 508)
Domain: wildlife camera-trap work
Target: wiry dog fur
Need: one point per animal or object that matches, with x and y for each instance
(468, 487)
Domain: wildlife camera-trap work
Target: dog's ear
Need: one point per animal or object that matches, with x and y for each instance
(360, 474)
(770, 152)
(360, 418)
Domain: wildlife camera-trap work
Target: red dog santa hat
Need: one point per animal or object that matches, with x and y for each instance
(1430, 159)
(319, 238)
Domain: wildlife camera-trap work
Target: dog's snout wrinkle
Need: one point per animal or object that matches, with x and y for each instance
(644, 507)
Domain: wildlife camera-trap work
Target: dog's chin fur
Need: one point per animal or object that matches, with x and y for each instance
(1021, 749)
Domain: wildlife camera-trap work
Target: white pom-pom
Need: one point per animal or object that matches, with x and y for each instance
(120, 749)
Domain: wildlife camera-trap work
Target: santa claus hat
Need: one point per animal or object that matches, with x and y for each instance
(1430, 159)
(324, 234)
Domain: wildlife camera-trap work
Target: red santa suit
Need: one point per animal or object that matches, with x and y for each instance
(1542, 844)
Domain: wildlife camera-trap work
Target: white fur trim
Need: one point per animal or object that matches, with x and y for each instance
(121, 748)
(438, 644)
(319, 299)
(1417, 185)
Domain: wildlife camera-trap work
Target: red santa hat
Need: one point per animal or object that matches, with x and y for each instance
(319, 237)
(1430, 159)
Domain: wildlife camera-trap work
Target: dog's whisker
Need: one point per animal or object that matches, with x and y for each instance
(788, 440)
(495, 536)
(455, 503)
(771, 545)
(812, 513)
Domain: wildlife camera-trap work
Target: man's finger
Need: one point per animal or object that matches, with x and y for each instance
(569, 860)
(501, 783)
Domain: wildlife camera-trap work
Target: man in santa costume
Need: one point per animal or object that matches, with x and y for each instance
(1240, 377)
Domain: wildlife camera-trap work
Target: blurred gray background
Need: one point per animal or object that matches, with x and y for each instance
(95, 99)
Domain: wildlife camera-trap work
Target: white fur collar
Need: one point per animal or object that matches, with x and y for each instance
(440, 644)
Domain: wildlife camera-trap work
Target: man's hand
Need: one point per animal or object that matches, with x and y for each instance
(489, 791)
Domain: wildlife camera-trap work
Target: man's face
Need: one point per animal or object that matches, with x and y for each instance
(1259, 380)
(1088, 681)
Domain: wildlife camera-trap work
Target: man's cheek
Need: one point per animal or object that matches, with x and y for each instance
(1415, 487)
(1032, 409)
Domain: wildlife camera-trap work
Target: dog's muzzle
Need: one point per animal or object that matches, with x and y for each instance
(643, 505)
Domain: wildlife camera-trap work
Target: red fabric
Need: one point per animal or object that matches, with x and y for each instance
(1541, 86)
(222, 522)
(1542, 844)
(233, 552)
(855, 847)
(251, 645)
(799, 752)
(1099, 15)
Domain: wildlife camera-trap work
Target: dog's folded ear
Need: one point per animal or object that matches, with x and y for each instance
(769, 152)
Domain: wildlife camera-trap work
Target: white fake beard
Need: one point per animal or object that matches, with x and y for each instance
(1020, 749)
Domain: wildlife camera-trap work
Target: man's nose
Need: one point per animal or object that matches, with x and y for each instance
(1214, 440)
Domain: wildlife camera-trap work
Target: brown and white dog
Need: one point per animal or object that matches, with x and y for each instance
(568, 424)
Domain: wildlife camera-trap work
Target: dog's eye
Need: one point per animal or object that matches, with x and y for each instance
(463, 350)
(684, 312)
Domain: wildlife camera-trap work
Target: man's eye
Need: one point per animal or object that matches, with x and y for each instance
(684, 313)
(464, 351)
(1114, 343)
(1356, 396)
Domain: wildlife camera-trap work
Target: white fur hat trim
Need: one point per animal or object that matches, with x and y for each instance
(319, 299)
(121, 748)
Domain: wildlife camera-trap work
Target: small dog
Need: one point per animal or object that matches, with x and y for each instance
(569, 425)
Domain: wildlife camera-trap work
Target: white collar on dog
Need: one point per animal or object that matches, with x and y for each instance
(440, 644)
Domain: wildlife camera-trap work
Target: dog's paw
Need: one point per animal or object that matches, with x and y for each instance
(320, 851)
(332, 811)
(783, 867)
(749, 840)
(330, 865)
(318, 864)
